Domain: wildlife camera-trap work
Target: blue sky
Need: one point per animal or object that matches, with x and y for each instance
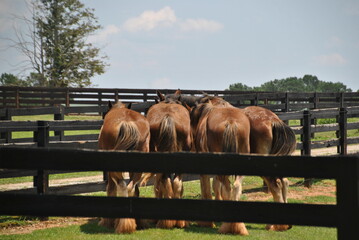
(207, 45)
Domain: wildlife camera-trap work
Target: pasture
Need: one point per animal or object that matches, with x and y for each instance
(322, 192)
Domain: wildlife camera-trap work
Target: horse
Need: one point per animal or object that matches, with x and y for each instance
(170, 132)
(271, 136)
(123, 129)
(220, 127)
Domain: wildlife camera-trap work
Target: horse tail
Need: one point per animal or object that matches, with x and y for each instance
(167, 137)
(230, 138)
(128, 136)
(284, 142)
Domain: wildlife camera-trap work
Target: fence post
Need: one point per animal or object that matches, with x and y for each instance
(6, 135)
(306, 140)
(41, 136)
(316, 100)
(286, 103)
(67, 97)
(348, 198)
(342, 148)
(17, 98)
(60, 116)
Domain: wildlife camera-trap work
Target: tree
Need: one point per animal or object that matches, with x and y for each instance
(56, 43)
(240, 87)
(308, 83)
(8, 79)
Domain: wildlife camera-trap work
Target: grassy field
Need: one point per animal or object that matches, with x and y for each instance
(323, 192)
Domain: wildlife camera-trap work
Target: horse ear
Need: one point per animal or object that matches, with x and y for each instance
(129, 105)
(156, 100)
(178, 92)
(187, 107)
(109, 105)
(160, 95)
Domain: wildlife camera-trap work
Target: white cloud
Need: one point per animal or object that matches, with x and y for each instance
(200, 25)
(334, 59)
(103, 35)
(162, 83)
(166, 17)
(149, 20)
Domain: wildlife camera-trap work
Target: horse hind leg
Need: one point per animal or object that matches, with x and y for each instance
(279, 189)
(205, 194)
(166, 190)
(177, 186)
(228, 194)
(124, 225)
(111, 191)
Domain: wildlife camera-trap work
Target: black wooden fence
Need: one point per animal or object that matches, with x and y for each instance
(18, 97)
(345, 170)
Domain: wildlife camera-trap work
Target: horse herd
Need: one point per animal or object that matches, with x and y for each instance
(201, 124)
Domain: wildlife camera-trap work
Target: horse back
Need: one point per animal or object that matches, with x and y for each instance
(118, 120)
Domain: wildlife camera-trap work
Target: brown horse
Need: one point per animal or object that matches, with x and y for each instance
(220, 127)
(270, 135)
(123, 129)
(170, 132)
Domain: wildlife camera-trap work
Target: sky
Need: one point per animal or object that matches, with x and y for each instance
(208, 45)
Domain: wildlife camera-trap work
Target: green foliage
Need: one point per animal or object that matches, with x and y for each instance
(308, 83)
(8, 79)
(68, 60)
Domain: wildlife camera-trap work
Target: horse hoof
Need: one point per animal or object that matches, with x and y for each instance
(125, 225)
(278, 228)
(166, 223)
(181, 224)
(233, 228)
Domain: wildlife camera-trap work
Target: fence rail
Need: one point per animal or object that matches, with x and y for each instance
(19, 97)
(345, 170)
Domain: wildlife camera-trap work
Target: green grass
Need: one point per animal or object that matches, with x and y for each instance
(90, 230)
(25, 134)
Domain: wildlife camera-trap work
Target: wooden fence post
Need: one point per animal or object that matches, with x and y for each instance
(41, 180)
(342, 148)
(6, 135)
(17, 98)
(286, 102)
(348, 198)
(306, 140)
(60, 116)
(67, 97)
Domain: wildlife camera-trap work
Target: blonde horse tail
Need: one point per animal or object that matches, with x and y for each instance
(284, 142)
(230, 138)
(128, 136)
(167, 136)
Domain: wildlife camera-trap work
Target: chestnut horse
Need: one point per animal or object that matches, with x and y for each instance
(220, 127)
(269, 135)
(123, 129)
(170, 132)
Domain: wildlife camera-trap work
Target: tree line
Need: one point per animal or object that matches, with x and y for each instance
(308, 83)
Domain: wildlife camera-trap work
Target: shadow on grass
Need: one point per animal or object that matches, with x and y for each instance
(92, 227)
